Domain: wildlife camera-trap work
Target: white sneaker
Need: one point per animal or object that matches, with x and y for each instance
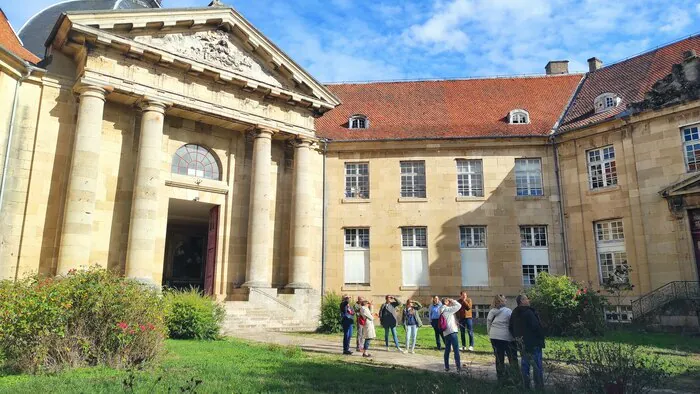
(412, 351)
(402, 351)
(471, 348)
(387, 348)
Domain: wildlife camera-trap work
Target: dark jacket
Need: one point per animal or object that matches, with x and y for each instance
(387, 314)
(525, 324)
(346, 312)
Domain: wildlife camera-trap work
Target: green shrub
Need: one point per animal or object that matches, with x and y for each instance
(330, 313)
(567, 307)
(87, 317)
(191, 315)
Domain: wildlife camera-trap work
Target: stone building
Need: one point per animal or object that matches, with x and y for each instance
(182, 148)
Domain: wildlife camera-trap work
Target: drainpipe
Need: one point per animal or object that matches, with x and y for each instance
(8, 147)
(557, 175)
(324, 220)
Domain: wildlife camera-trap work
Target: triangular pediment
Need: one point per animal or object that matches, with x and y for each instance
(214, 41)
(687, 185)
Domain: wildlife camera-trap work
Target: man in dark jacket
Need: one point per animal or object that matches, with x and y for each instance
(346, 318)
(388, 317)
(526, 329)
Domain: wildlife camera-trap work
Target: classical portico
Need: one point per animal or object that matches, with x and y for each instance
(192, 81)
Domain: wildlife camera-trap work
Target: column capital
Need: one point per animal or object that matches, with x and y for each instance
(150, 104)
(303, 142)
(85, 89)
(264, 132)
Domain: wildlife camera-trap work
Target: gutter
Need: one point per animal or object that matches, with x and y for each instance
(557, 175)
(13, 113)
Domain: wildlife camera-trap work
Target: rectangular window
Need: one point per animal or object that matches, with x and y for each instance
(691, 146)
(413, 179)
(356, 180)
(473, 251)
(414, 256)
(357, 256)
(528, 177)
(534, 252)
(610, 245)
(480, 311)
(602, 171)
(470, 178)
(618, 314)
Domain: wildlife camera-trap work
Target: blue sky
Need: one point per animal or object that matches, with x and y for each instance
(358, 40)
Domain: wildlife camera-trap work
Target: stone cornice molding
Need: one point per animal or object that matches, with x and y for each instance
(75, 29)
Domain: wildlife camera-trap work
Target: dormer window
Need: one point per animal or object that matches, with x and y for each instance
(606, 101)
(358, 122)
(518, 116)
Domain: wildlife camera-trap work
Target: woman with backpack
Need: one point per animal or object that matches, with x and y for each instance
(366, 321)
(389, 318)
(411, 322)
(502, 341)
(447, 322)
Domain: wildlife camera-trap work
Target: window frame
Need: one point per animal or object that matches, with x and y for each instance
(530, 177)
(413, 190)
(359, 179)
(611, 243)
(359, 118)
(470, 231)
(515, 114)
(469, 178)
(694, 143)
(533, 236)
(602, 161)
(606, 101)
(184, 155)
(414, 238)
(358, 247)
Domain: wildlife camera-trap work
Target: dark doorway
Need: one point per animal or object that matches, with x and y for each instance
(694, 218)
(190, 245)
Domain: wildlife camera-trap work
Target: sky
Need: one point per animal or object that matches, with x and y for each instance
(362, 40)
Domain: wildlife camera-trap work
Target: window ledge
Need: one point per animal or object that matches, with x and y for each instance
(469, 198)
(413, 199)
(409, 288)
(601, 190)
(542, 197)
(356, 288)
(208, 185)
(355, 200)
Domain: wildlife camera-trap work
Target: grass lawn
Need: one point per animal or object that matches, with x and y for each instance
(683, 352)
(237, 366)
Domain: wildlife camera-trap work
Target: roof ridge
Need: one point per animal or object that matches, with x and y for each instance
(454, 79)
(652, 50)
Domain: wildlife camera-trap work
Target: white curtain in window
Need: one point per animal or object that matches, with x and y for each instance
(475, 268)
(357, 266)
(534, 256)
(415, 267)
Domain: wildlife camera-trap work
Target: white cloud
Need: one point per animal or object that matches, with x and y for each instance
(442, 29)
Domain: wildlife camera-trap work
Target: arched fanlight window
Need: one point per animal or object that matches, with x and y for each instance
(358, 122)
(518, 116)
(196, 160)
(606, 101)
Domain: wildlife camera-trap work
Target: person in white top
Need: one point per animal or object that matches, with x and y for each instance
(501, 339)
(368, 332)
(448, 310)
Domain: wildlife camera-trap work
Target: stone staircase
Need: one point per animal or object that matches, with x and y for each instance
(272, 310)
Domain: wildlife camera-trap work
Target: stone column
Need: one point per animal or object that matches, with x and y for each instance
(258, 262)
(79, 210)
(302, 219)
(140, 251)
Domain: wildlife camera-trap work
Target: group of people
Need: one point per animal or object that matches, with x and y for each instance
(509, 330)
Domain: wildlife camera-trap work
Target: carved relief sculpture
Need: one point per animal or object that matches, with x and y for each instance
(216, 48)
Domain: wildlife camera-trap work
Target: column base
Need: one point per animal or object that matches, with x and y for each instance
(256, 284)
(298, 285)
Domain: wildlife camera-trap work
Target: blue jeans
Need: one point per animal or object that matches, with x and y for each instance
(533, 356)
(438, 333)
(367, 343)
(393, 334)
(467, 324)
(451, 341)
(347, 334)
(411, 333)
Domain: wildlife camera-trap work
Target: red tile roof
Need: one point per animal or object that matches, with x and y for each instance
(449, 108)
(629, 79)
(10, 41)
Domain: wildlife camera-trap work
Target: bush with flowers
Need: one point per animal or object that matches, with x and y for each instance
(84, 318)
(566, 307)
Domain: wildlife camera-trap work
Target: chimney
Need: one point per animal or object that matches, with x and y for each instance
(557, 67)
(691, 65)
(594, 64)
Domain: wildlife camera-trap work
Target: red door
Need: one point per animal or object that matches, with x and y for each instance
(210, 266)
(694, 218)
